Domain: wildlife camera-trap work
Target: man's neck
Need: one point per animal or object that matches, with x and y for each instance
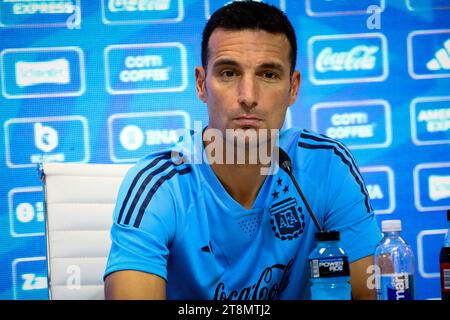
(241, 181)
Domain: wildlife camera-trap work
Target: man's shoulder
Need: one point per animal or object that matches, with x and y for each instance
(154, 185)
(159, 168)
(309, 141)
(314, 151)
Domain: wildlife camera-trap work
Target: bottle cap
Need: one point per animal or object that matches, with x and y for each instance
(328, 236)
(391, 225)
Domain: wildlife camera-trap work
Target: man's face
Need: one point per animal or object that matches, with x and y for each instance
(247, 84)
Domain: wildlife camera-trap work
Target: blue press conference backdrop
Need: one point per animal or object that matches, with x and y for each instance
(109, 81)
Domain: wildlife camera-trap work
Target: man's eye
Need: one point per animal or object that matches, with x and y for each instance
(270, 75)
(227, 74)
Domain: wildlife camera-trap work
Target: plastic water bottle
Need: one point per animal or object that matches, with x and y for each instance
(394, 264)
(444, 261)
(330, 273)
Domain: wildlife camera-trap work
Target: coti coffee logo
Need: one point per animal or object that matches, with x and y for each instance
(348, 58)
(359, 124)
(145, 68)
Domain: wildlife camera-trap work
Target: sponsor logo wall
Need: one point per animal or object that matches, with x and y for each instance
(109, 81)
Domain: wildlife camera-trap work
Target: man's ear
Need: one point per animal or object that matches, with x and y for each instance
(295, 86)
(200, 83)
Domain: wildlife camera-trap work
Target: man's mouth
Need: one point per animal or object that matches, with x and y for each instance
(247, 121)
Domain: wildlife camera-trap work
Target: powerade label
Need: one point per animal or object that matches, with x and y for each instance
(397, 286)
(327, 268)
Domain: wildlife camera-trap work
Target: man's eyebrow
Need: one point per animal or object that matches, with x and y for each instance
(227, 62)
(266, 65)
(272, 65)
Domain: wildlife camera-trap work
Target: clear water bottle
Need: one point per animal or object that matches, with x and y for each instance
(394, 264)
(444, 262)
(330, 273)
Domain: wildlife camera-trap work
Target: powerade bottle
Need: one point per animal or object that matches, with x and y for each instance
(394, 264)
(330, 272)
(444, 261)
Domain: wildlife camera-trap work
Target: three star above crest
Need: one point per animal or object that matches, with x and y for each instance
(275, 194)
(285, 190)
(279, 181)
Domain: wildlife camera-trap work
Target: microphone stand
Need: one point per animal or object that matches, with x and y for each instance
(285, 164)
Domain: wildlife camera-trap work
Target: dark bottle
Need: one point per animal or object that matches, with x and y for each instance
(444, 261)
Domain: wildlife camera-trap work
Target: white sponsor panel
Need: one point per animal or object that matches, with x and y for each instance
(29, 278)
(359, 8)
(355, 122)
(432, 186)
(26, 219)
(427, 5)
(35, 76)
(46, 139)
(430, 120)
(146, 68)
(134, 135)
(119, 12)
(43, 13)
(439, 187)
(381, 192)
(434, 58)
(348, 58)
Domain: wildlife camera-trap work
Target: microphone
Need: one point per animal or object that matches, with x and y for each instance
(285, 164)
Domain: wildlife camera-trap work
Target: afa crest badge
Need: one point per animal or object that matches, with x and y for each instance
(287, 219)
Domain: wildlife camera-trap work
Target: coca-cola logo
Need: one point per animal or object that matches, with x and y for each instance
(266, 288)
(360, 57)
(348, 58)
(138, 5)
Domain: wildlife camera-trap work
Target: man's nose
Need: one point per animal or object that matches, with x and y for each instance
(248, 92)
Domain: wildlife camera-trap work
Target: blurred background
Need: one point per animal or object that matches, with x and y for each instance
(108, 81)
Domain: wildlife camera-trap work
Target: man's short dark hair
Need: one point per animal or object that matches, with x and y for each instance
(250, 15)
